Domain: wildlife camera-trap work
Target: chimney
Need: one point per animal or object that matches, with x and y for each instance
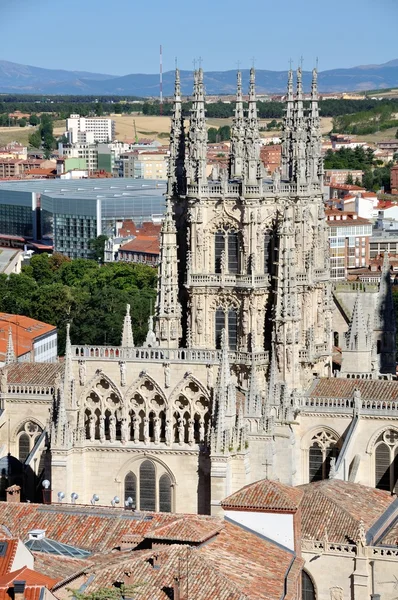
(19, 590)
(13, 493)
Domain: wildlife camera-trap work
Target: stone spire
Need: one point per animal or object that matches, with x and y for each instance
(252, 138)
(10, 354)
(168, 307)
(314, 157)
(176, 171)
(196, 156)
(127, 334)
(253, 395)
(224, 401)
(150, 340)
(237, 134)
(299, 135)
(69, 387)
(357, 337)
(286, 160)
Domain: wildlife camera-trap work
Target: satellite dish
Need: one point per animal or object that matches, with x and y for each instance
(46, 484)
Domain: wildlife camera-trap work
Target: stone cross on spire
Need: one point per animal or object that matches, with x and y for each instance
(127, 334)
(10, 354)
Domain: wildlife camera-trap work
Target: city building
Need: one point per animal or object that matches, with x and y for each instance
(66, 214)
(349, 242)
(26, 340)
(18, 168)
(387, 216)
(340, 176)
(87, 130)
(271, 156)
(236, 380)
(142, 164)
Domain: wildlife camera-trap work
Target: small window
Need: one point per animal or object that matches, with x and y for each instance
(23, 447)
(165, 493)
(130, 487)
(147, 486)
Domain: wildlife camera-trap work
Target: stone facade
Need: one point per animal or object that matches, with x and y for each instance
(220, 394)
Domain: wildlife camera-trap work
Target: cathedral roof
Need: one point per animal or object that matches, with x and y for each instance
(42, 374)
(339, 387)
(332, 508)
(264, 495)
(187, 530)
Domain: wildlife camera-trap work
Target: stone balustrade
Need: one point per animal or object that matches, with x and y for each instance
(346, 405)
(162, 355)
(219, 189)
(32, 390)
(227, 279)
(326, 547)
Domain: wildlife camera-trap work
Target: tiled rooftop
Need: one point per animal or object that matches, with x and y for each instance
(187, 530)
(33, 373)
(333, 387)
(8, 554)
(264, 495)
(339, 506)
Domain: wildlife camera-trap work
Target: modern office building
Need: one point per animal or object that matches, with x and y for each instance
(70, 213)
(89, 129)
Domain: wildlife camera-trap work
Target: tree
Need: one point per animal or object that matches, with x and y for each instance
(97, 246)
(35, 139)
(349, 179)
(99, 109)
(367, 180)
(22, 122)
(358, 182)
(34, 120)
(212, 135)
(396, 134)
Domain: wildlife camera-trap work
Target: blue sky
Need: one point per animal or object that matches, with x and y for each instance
(124, 37)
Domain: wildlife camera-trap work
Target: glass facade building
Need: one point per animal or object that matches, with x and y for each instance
(73, 212)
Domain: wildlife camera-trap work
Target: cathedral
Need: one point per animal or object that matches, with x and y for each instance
(236, 380)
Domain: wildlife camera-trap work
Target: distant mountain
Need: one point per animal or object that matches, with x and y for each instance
(15, 78)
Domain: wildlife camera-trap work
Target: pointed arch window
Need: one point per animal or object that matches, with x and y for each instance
(267, 251)
(386, 460)
(226, 243)
(130, 488)
(324, 447)
(307, 587)
(228, 320)
(23, 447)
(147, 486)
(165, 493)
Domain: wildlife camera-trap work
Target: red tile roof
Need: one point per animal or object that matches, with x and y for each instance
(264, 495)
(33, 373)
(30, 577)
(371, 389)
(339, 506)
(194, 530)
(144, 244)
(8, 558)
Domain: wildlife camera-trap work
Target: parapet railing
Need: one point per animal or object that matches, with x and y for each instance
(218, 189)
(164, 355)
(32, 390)
(346, 405)
(227, 279)
(326, 547)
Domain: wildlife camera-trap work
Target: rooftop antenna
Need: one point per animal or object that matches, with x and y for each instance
(161, 80)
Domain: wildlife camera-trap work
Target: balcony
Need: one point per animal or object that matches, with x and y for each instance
(240, 189)
(227, 280)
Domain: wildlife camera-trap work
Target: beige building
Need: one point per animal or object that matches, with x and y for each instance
(145, 164)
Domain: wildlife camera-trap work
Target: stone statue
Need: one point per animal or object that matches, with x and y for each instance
(91, 427)
(279, 356)
(245, 322)
(168, 432)
(357, 400)
(124, 430)
(122, 366)
(167, 381)
(181, 432)
(288, 357)
(191, 434)
(276, 178)
(202, 430)
(156, 430)
(336, 593)
(332, 468)
(199, 321)
(146, 430)
(102, 429)
(136, 429)
(82, 372)
(112, 428)
(210, 377)
(199, 237)
(3, 382)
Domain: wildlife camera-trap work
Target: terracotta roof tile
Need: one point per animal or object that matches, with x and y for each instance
(30, 577)
(265, 495)
(33, 373)
(371, 389)
(339, 506)
(8, 558)
(147, 244)
(194, 530)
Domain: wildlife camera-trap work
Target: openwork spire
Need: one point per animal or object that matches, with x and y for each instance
(196, 158)
(127, 334)
(357, 336)
(237, 134)
(252, 139)
(176, 170)
(314, 155)
(253, 396)
(10, 354)
(287, 143)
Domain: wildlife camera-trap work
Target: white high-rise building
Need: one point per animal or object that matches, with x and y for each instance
(86, 130)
